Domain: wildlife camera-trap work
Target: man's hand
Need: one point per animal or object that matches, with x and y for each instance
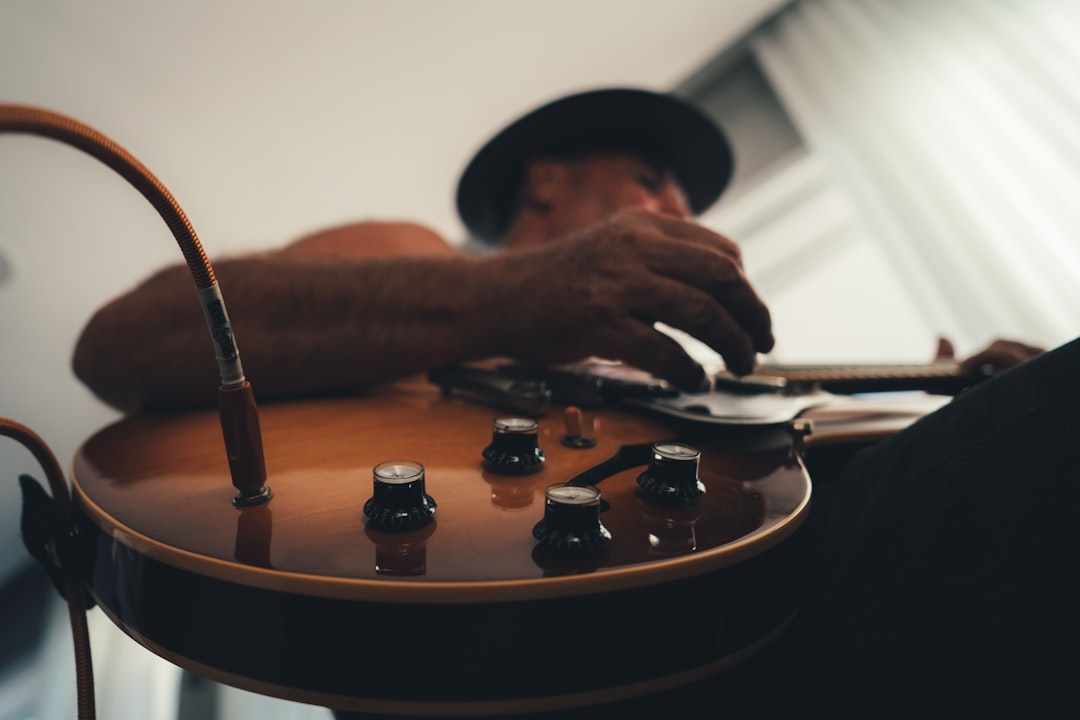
(997, 356)
(599, 292)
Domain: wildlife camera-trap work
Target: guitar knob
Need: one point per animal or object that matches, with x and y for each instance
(514, 448)
(571, 521)
(672, 475)
(399, 500)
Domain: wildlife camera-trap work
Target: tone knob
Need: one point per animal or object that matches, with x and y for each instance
(514, 448)
(571, 521)
(399, 500)
(672, 475)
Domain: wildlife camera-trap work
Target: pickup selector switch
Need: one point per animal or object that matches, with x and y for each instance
(399, 500)
(514, 448)
(672, 475)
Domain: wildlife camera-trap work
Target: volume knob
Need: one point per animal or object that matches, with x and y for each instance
(399, 500)
(672, 475)
(571, 521)
(514, 448)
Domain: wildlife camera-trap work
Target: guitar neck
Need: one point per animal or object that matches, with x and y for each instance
(940, 377)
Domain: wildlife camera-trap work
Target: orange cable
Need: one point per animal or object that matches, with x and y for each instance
(49, 124)
(74, 591)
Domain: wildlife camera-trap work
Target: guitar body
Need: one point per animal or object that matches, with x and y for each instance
(299, 598)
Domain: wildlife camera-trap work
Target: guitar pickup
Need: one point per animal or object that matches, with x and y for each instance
(523, 396)
(593, 384)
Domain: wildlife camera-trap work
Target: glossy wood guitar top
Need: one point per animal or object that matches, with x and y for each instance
(159, 484)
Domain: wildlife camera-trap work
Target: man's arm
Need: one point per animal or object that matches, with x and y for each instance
(314, 323)
(303, 326)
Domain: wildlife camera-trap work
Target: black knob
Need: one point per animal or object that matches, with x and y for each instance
(514, 448)
(672, 475)
(571, 521)
(399, 500)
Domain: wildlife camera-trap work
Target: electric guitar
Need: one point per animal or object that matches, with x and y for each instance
(491, 597)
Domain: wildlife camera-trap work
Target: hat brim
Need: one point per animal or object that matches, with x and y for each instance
(662, 127)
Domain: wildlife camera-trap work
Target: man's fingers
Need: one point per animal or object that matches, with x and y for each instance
(658, 354)
(1000, 355)
(698, 314)
(716, 275)
(945, 350)
(608, 285)
(691, 232)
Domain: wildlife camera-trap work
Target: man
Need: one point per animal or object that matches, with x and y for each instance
(613, 176)
(942, 558)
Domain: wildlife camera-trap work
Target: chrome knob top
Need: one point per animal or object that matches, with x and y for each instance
(514, 448)
(571, 521)
(399, 499)
(672, 475)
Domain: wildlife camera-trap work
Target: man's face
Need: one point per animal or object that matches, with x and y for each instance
(585, 191)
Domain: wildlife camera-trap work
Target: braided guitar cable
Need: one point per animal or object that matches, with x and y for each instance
(54, 542)
(49, 124)
(74, 592)
(239, 417)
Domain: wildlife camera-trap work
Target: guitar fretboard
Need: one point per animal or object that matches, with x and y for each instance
(940, 377)
(855, 373)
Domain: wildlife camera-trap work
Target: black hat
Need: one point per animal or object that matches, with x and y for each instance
(662, 127)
